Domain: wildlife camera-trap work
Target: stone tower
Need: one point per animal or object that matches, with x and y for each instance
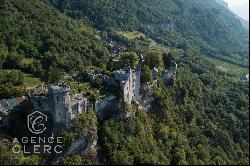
(59, 97)
(129, 82)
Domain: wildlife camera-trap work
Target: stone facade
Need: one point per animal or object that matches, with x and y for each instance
(245, 77)
(3, 117)
(59, 98)
(7, 106)
(168, 74)
(104, 102)
(56, 100)
(129, 81)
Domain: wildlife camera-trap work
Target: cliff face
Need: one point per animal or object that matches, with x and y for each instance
(244, 23)
(223, 3)
(83, 144)
(80, 141)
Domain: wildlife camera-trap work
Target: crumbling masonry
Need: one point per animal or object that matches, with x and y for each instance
(56, 99)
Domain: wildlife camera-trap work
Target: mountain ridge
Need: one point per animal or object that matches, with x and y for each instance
(244, 22)
(209, 27)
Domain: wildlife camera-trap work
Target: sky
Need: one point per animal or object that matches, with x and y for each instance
(240, 7)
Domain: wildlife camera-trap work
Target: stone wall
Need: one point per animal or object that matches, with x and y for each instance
(40, 103)
(78, 107)
(103, 102)
(130, 83)
(59, 97)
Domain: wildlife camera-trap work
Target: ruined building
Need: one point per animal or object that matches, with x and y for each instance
(170, 74)
(56, 100)
(8, 106)
(63, 107)
(155, 73)
(129, 81)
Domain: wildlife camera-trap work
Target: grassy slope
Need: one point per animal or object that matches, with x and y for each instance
(232, 69)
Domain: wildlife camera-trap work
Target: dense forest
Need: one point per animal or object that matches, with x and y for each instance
(38, 40)
(205, 25)
(200, 117)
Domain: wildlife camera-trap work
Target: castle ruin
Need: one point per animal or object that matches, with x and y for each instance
(129, 81)
(56, 100)
(63, 107)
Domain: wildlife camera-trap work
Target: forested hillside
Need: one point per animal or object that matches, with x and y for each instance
(31, 29)
(205, 24)
(35, 38)
(201, 116)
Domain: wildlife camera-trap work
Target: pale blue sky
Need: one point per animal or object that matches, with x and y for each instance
(240, 7)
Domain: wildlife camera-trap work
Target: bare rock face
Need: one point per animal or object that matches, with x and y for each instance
(83, 144)
(223, 3)
(80, 144)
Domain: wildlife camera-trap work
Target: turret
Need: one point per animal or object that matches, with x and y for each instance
(59, 97)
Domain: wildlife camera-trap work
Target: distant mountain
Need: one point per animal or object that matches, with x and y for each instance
(204, 24)
(223, 3)
(244, 23)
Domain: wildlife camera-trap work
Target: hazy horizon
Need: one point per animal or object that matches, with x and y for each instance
(239, 7)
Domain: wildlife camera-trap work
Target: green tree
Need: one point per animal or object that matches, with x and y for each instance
(130, 57)
(72, 160)
(122, 158)
(154, 59)
(146, 76)
(55, 75)
(168, 60)
(14, 60)
(31, 160)
(3, 54)
(68, 138)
